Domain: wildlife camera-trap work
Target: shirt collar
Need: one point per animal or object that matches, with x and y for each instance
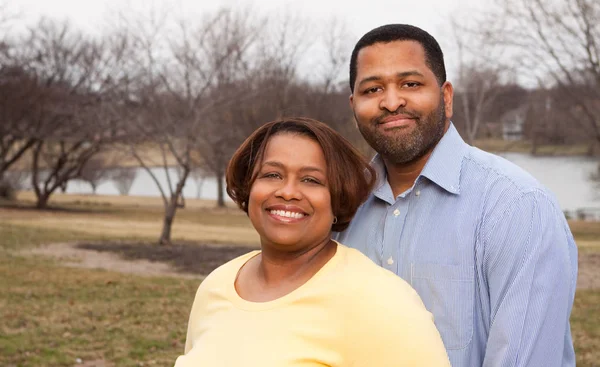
(442, 168)
(445, 163)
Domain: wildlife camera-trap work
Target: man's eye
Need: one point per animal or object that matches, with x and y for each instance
(412, 84)
(372, 90)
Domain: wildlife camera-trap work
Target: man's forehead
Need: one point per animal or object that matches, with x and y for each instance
(391, 58)
(406, 48)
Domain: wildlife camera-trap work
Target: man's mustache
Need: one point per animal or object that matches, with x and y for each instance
(385, 115)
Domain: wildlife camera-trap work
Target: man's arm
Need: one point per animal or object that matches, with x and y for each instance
(530, 265)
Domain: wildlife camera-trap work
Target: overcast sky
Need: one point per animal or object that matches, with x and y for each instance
(359, 16)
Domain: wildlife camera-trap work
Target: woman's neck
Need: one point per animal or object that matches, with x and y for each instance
(284, 266)
(274, 274)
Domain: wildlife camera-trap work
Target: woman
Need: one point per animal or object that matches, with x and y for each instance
(304, 299)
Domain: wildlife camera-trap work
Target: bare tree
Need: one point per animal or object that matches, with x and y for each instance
(123, 178)
(479, 81)
(19, 94)
(227, 48)
(94, 172)
(179, 81)
(199, 175)
(19, 129)
(75, 74)
(555, 44)
(476, 90)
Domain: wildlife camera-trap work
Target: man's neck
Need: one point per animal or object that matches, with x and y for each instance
(401, 177)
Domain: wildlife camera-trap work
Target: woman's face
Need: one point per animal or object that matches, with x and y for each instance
(290, 203)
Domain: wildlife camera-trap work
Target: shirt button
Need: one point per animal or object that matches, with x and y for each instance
(418, 193)
(390, 261)
(396, 212)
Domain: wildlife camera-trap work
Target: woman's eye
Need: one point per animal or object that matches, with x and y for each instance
(271, 175)
(311, 180)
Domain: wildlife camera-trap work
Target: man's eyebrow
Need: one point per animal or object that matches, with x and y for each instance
(400, 75)
(404, 74)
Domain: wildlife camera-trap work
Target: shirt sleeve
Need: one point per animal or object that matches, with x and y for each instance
(530, 265)
(394, 329)
(195, 315)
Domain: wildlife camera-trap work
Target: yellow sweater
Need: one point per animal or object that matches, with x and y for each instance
(351, 313)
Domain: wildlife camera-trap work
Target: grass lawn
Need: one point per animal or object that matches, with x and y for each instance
(522, 146)
(51, 315)
(136, 217)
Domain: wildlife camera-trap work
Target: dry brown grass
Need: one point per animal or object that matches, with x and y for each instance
(522, 146)
(135, 217)
(125, 201)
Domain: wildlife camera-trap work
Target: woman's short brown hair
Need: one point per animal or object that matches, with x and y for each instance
(350, 176)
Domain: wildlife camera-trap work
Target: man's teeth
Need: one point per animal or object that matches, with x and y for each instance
(284, 213)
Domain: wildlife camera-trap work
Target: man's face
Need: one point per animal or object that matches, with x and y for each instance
(399, 107)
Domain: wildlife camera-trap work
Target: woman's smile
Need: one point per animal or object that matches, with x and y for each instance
(290, 202)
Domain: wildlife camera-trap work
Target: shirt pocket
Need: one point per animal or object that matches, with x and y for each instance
(447, 292)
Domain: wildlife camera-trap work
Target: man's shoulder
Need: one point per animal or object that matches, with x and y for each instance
(503, 184)
(497, 172)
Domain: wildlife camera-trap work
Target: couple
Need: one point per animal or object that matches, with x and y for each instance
(484, 245)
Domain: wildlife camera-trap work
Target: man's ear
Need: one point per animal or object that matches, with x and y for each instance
(351, 102)
(448, 92)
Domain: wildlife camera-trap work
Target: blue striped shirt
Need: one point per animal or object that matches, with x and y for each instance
(488, 250)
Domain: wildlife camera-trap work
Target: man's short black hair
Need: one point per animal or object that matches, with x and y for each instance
(434, 57)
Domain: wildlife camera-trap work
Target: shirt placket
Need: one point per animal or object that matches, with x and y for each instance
(394, 226)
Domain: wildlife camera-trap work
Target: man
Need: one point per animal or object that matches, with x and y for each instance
(484, 244)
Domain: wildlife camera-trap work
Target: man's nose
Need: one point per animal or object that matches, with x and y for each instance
(392, 99)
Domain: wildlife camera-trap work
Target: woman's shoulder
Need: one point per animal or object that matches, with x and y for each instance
(389, 320)
(371, 280)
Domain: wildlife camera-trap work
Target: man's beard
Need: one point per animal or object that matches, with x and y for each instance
(427, 132)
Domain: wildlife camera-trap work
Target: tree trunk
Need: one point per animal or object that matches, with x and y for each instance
(220, 191)
(165, 236)
(171, 209)
(470, 137)
(42, 201)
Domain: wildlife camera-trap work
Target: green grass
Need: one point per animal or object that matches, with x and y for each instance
(52, 315)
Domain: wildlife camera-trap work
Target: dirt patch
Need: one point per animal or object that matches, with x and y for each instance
(588, 277)
(188, 261)
(193, 259)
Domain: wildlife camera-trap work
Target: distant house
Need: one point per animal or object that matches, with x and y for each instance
(513, 122)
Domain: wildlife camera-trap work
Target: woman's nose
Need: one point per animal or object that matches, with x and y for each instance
(289, 190)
